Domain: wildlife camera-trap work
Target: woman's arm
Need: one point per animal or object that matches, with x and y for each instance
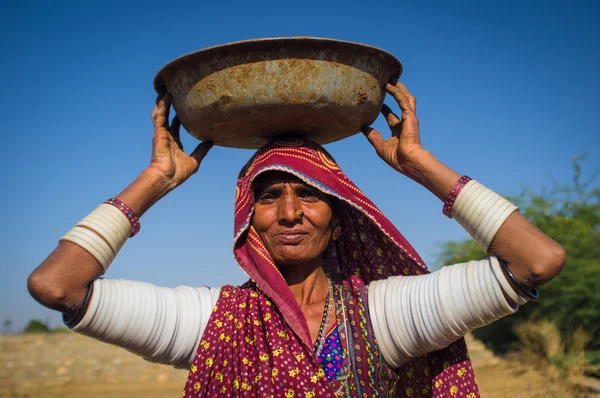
(533, 257)
(61, 281)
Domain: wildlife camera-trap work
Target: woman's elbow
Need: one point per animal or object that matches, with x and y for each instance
(49, 294)
(550, 264)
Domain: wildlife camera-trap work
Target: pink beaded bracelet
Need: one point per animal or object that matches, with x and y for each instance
(133, 219)
(460, 184)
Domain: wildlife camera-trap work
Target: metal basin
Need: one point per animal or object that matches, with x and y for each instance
(246, 93)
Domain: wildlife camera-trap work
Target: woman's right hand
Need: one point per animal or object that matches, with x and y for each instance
(169, 161)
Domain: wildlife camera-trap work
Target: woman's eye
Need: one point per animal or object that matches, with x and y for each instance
(265, 198)
(311, 196)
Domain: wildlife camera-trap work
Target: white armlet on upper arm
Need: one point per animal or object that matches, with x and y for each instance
(415, 315)
(161, 324)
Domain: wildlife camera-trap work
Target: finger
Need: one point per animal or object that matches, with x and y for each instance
(174, 129)
(401, 98)
(160, 115)
(391, 118)
(201, 151)
(411, 98)
(374, 137)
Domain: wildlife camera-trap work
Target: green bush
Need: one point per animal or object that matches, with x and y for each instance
(35, 326)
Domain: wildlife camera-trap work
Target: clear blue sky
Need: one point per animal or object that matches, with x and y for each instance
(508, 92)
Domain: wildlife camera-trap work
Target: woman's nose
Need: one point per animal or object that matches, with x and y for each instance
(288, 208)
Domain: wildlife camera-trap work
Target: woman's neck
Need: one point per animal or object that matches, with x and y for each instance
(308, 283)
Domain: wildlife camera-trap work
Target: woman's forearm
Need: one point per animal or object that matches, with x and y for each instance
(60, 282)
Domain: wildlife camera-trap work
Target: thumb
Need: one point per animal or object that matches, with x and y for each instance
(374, 137)
(201, 151)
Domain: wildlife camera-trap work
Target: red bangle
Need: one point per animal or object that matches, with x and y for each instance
(460, 184)
(133, 219)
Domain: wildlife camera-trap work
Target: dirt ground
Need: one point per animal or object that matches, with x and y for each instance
(69, 365)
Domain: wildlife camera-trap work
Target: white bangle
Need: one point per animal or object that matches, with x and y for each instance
(481, 212)
(102, 233)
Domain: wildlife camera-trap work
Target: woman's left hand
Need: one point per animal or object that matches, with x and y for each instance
(404, 146)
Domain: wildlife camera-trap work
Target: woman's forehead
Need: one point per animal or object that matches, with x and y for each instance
(269, 178)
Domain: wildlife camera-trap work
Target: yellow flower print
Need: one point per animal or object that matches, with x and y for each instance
(278, 352)
(309, 394)
(453, 390)
(274, 372)
(246, 386)
(227, 338)
(283, 334)
(194, 369)
(361, 220)
(236, 384)
(223, 389)
(257, 322)
(290, 393)
(250, 340)
(219, 376)
(439, 383)
(380, 269)
(234, 344)
(294, 372)
(218, 323)
(401, 256)
(254, 294)
(394, 268)
(215, 308)
(268, 302)
(264, 357)
(320, 373)
(267, 317)
(471, 395)
(426, 371)
(205, 344)
(197, 386)
(405, 271)
(363, 237)
(357, 272)
(258, 378)
(209, 361)
(225, 293)
(355, 254)
(379, 251)
(410, 372)
(246, 361)
(242, 305)
(446, 365)
(314, 378)
(461, 372)
(225, 363)
(299, 357)
(222, 337)
(426, 390)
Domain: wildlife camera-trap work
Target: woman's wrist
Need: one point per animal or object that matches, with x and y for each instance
(425, 169)
(147, 189)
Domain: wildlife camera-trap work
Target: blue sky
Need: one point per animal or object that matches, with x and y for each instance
(507, 93)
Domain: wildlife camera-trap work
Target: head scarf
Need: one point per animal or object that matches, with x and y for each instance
(257, 342)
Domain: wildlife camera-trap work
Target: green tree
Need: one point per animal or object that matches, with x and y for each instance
(35, 326)
(570, 214)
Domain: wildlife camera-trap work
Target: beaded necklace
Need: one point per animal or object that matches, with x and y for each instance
(318, 346)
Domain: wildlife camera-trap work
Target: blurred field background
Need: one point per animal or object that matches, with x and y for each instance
(68, 365)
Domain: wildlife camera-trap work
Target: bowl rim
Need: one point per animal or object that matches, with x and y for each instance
(292, 39)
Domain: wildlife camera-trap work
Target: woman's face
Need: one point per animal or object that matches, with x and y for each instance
(291, 240)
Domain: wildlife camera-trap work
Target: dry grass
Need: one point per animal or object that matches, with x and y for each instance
(558, 356)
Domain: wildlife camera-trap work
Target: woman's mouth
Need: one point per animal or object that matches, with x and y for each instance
(290, 237)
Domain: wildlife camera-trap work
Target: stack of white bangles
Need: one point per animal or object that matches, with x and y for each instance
(411, 315)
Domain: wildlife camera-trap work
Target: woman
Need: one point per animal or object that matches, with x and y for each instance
(325, 312)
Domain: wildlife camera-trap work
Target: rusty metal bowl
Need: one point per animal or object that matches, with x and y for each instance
(246, 93)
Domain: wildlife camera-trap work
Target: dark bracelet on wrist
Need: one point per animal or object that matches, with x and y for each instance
(72, 321)
(532, 294)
